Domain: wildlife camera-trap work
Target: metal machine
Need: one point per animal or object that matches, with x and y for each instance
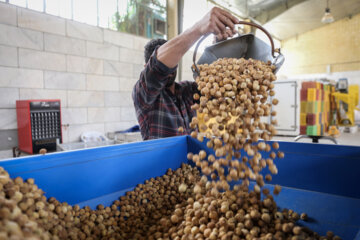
(243, 46)
(39, 125)
(346, 99)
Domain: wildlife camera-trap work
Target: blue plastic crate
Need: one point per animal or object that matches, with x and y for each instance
(319, 179)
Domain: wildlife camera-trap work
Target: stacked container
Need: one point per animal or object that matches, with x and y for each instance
(314, 108)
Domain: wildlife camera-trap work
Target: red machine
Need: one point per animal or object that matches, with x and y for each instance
(39, 125)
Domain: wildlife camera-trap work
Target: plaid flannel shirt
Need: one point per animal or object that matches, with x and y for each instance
(159, 112)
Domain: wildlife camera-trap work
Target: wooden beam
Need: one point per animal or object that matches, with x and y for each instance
(172, 18)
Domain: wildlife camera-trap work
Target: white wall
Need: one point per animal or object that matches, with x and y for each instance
(91, 69)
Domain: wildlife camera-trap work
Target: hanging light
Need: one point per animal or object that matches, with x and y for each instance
(328, 17)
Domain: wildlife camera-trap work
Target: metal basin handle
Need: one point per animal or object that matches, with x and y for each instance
(243, 23)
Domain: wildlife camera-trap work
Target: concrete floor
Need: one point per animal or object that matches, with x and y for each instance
(352, 139)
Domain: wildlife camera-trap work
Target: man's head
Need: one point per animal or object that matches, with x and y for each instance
(150, 47)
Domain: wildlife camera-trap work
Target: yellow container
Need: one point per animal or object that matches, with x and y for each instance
(303, 106)
(326, 106)
(327, 96)
(302, 118)
(318, 106)
(318, 85)
(311, 94)
(317, 118)
(311, 107)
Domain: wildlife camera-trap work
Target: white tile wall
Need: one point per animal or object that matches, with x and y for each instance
(42, 60)
(8, 56)
(85, 98)
(139, 43)
(74, 115)
(98, 115)
(56, 43)
(8, 14)
(118, 99)
(103, 51)
(40, 22)
(90, 69)
(83, 31)
(8, 97)
(137, 69)
(123, 40)
(131, 56)
(26, 94)
(17, 77)
(128, 114)
(63, 80)
(84, 65)
(8, 119)
(120, 69)
(19, 37)
(102, 83)
(127, 84)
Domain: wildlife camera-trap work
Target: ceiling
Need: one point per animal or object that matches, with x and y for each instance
(288, 18)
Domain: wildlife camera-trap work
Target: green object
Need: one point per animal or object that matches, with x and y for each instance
(311, 130)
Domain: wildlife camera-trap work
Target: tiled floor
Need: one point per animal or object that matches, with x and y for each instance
(343, 139)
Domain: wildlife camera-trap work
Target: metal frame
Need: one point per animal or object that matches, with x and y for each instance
(315, 139)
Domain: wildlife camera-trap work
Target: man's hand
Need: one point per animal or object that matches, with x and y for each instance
(219, 22)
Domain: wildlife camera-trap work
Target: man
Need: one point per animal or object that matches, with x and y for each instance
(163, 106)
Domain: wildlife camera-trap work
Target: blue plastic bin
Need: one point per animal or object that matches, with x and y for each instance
(321, 180)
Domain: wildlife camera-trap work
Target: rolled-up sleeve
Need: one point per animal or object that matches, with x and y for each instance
(152, 81)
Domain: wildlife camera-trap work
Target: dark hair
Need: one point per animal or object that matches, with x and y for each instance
(150, 47)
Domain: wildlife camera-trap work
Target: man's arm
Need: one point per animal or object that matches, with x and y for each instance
(217, 21)
(152, 80)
